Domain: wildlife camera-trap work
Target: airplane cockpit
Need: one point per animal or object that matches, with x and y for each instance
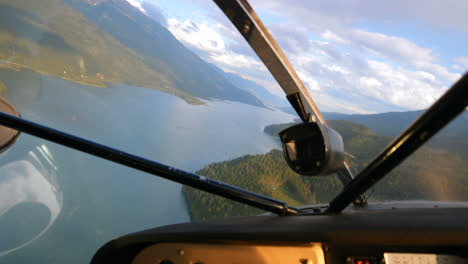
(318, 153)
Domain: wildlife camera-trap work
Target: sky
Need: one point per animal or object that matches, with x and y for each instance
(353, 56)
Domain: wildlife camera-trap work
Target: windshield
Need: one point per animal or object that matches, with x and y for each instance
(180, 86)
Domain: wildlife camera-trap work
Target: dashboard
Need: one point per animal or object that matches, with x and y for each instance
(294, 253)
(198, 253)
(432, 233)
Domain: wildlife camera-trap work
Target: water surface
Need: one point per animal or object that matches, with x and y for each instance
(84, 201)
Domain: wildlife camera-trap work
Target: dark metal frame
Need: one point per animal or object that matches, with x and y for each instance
(202, 183)
(249, 25)
(451, 104)
(244, 18)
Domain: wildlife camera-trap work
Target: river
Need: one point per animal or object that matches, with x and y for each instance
(59, 205)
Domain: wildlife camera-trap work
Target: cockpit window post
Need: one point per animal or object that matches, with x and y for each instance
(444, 110)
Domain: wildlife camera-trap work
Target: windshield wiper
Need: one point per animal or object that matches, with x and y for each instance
(196, 181)
(244, 18)
(250, 26)
(451, 104)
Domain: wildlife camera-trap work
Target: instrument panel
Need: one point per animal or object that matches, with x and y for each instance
(376, 235)
(201, 253)
(294, 253)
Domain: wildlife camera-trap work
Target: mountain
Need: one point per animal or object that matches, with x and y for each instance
(161, 50)
(99, 42)
(393, 123)
(427, 174)
(452, 138)
(259, 91)
(52, 38)
(288, 109)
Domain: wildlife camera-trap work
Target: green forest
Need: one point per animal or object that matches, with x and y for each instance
(429, 174)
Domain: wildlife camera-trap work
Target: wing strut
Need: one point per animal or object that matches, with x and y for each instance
(259, 38)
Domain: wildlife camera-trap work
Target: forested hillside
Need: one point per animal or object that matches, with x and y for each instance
(267, 174)
(427, 174)
(101, 42)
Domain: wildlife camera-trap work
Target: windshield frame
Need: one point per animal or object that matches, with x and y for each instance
(441, 113)
(444, 110)
(448, 106)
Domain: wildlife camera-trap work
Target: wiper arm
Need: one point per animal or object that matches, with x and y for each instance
(451, 104)
(259, 38)
(199, 182)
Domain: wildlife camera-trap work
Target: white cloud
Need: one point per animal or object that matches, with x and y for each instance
(198, 35)
(137, 4)
(400, 50)
(339, 69)
(440, 71)
(441, 14)
(393, 47)
(350, 69)
(463, 61)
(207, 38)
(328, 35)
(369, 83)
(212, 40)
(406, 78)
(402, 87)
(236, 60)
(411, 76)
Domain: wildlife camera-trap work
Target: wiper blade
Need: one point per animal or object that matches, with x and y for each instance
(199, 182)
(244, 18)
(451, 104)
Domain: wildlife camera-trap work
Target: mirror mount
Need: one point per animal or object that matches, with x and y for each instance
(312, 148)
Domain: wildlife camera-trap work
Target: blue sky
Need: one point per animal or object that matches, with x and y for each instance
(354, 56)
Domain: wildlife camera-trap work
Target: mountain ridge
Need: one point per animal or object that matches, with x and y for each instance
(259, 91)
(101, 42)
(161, 50)
(394, 123)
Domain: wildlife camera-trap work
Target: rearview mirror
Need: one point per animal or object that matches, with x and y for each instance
(312, 149)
